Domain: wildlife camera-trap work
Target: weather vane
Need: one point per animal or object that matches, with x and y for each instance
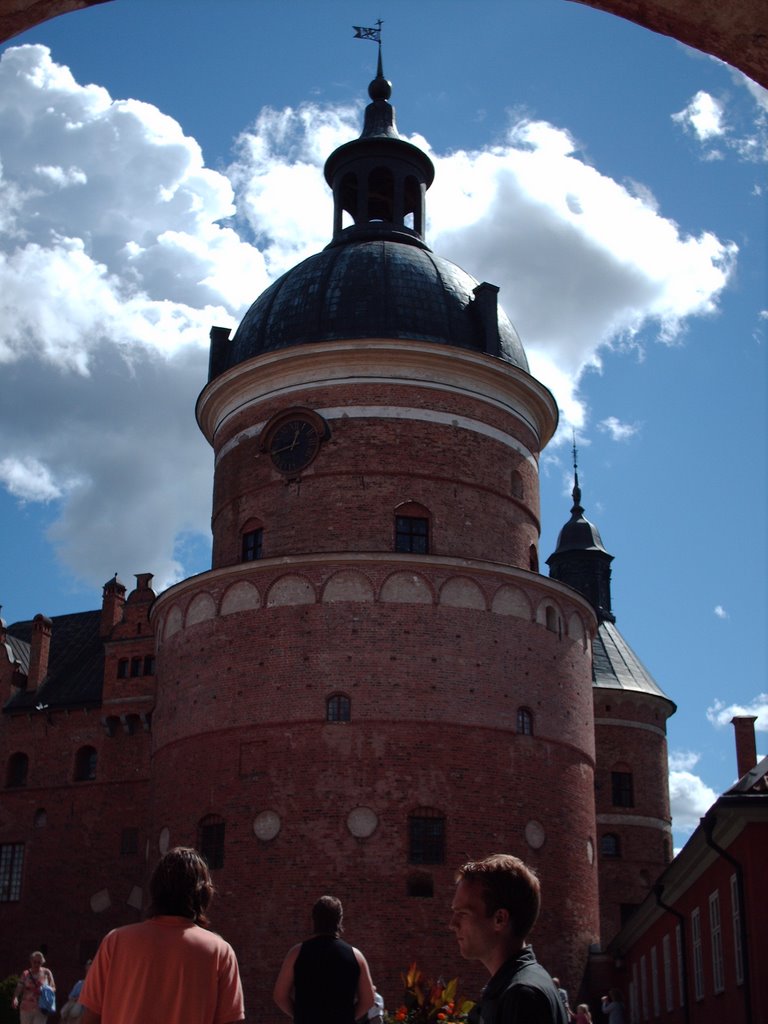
(373, 34)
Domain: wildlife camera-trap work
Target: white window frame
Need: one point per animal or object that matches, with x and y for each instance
(644, 986)
(655, 982)
(669, 998)
(680, 972)
(698, 956)
(716, 940)
(738, 952)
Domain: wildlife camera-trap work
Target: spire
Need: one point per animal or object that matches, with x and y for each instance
(379, 180)
(580, 559)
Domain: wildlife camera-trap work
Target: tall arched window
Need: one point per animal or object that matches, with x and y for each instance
(210, 840)
(533, 558)
(524, 722)
(609, 845)
(18, 766)
(85, 764)
(338, 708)
(412, 528)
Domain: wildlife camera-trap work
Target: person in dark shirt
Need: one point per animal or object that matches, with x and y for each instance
(494, 908)
(324, 980)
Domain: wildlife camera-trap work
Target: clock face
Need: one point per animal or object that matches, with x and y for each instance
(294, 445)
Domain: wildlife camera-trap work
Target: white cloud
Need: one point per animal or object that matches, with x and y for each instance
(720, 612)
(720, 713)
(619, 431)
(690, 797)
(703, 116)
(118, 252)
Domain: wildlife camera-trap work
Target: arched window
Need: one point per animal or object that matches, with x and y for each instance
(524, 722)
(412, 528)
(552, 620)
(381, 191)
(533, 558)
(516, 484)
(609, 845)
(18, 766)
(252, 541)
(210, 840)
(338, 708)
(426, 836)
(85, 764)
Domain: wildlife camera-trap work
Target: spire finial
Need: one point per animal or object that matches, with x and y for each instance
(576, 489)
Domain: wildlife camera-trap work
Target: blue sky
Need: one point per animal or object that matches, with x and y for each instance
(161, 163)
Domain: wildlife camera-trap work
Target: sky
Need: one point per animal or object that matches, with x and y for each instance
(161, 164)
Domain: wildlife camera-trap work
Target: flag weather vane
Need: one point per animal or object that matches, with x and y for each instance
(369, 33)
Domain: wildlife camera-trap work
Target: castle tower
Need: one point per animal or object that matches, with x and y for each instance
(631, 711)
(373, 682)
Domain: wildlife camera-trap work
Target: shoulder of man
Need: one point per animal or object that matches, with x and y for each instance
(529, 1000)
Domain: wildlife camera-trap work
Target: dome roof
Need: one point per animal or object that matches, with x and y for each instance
(375, 288)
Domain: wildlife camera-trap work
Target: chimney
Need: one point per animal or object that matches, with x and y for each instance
(39, 651)
(746, 751)
(112, 601)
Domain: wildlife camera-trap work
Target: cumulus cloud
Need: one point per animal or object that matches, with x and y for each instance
(719, 126)
(690, 797)
(720, 612)
(119, 249)
(618, 431)
(720, 713)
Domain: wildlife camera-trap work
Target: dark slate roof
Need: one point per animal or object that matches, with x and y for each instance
(368, 289)
(616, 666)
(18, 651)
(75, 666)
(754, 782)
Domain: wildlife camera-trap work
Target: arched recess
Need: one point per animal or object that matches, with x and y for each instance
(240, 597)
(406, 588)
(576, 629)
(290, 590)
(173, 622)
(347, 585)
(550, 616)
(461, 592)
(201, 608)
(509, 600)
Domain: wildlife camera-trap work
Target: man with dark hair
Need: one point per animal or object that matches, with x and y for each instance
(324, 980)
(494, 908)
(169, 968)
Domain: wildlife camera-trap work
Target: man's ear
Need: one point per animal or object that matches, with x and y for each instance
(501, 917)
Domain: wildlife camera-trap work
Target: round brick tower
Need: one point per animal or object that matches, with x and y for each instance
(374, 683)
(631, 711)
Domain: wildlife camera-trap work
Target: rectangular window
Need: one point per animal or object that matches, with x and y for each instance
(11, 865)
(644, 986)
(666, 951)
(716, 936)
(129, 842)
(122, 668)
(135, 668)
(698, 957)
(212, 844)
(622, 793)
(680, 974)
(655, 982)
(252, 542)
(738, 954)
(149, 664)
(412, 535)
(426, 837)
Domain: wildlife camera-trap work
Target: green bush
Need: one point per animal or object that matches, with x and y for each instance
(7, 987)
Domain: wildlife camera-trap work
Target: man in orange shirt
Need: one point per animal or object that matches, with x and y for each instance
(170, 967)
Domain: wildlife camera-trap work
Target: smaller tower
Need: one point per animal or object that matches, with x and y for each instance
(631, 710)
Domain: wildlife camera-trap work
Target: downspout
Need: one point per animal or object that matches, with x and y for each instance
(708, 822)
(658, 889)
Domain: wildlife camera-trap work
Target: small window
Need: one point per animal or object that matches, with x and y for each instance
(135, 668)
(609, 845)
(426, 836)
(122, 668)
(211, 840)
(149, 664)
(622, 790)
(698, 955)
(516, 484)
(129, 842)
(533, 559)
(18, 767)
(338, 708)
(251, 548)
(552, 619)
(412, 534)
(524, 722)
(11, 866)
(85, 764)
(41, 818)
